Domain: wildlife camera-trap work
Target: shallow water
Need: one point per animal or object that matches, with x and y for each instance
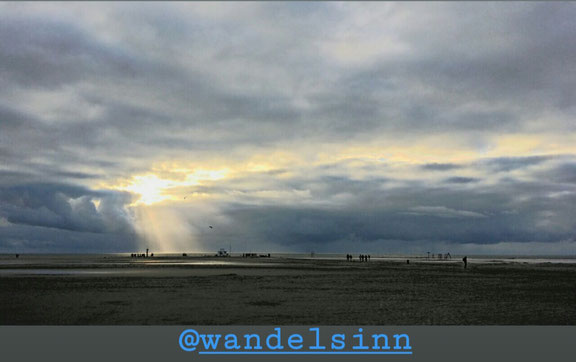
(60, 264)
(26, 271)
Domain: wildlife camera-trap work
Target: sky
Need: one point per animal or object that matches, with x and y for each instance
(327, 127)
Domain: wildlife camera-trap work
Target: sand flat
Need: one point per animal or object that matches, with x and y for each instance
(117, 290)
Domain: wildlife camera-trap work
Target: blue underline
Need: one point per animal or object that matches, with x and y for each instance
(302, 352)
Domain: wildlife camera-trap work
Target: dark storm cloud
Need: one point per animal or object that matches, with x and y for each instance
(36, 239)
(494, 165)
(506, 164)
(378, 213)
(440, 166)
(461, 180)
(520, 212)
(565, 173)
(66, 207)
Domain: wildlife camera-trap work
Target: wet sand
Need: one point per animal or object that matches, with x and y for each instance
(116, 290)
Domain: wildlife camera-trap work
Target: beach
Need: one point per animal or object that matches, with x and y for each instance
(176, 290)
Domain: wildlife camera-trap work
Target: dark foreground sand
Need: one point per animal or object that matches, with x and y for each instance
(122, 291)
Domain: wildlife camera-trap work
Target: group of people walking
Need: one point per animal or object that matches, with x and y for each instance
(143, 255)
(362, 257)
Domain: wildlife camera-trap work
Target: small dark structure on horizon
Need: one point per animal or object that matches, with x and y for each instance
(256, 255)
(143, 255)
(222, 253)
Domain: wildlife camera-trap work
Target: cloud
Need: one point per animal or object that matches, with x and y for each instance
(440, 166)
(461, 180)
(335, 123)
(65, 207)
(565, 173)
(506, 164)
(441, 211)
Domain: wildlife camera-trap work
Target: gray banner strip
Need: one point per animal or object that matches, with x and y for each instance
(162, 343)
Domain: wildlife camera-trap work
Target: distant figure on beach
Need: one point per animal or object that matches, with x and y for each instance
(368, 257)
(407, 261)
(146, 252)
(465, 260)
(17, 256)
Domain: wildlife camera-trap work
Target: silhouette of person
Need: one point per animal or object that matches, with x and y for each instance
(368, 257)
(465, 260)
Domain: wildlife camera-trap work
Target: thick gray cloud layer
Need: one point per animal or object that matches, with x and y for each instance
(96, 92)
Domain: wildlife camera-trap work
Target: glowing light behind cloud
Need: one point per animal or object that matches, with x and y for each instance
(152, 189)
